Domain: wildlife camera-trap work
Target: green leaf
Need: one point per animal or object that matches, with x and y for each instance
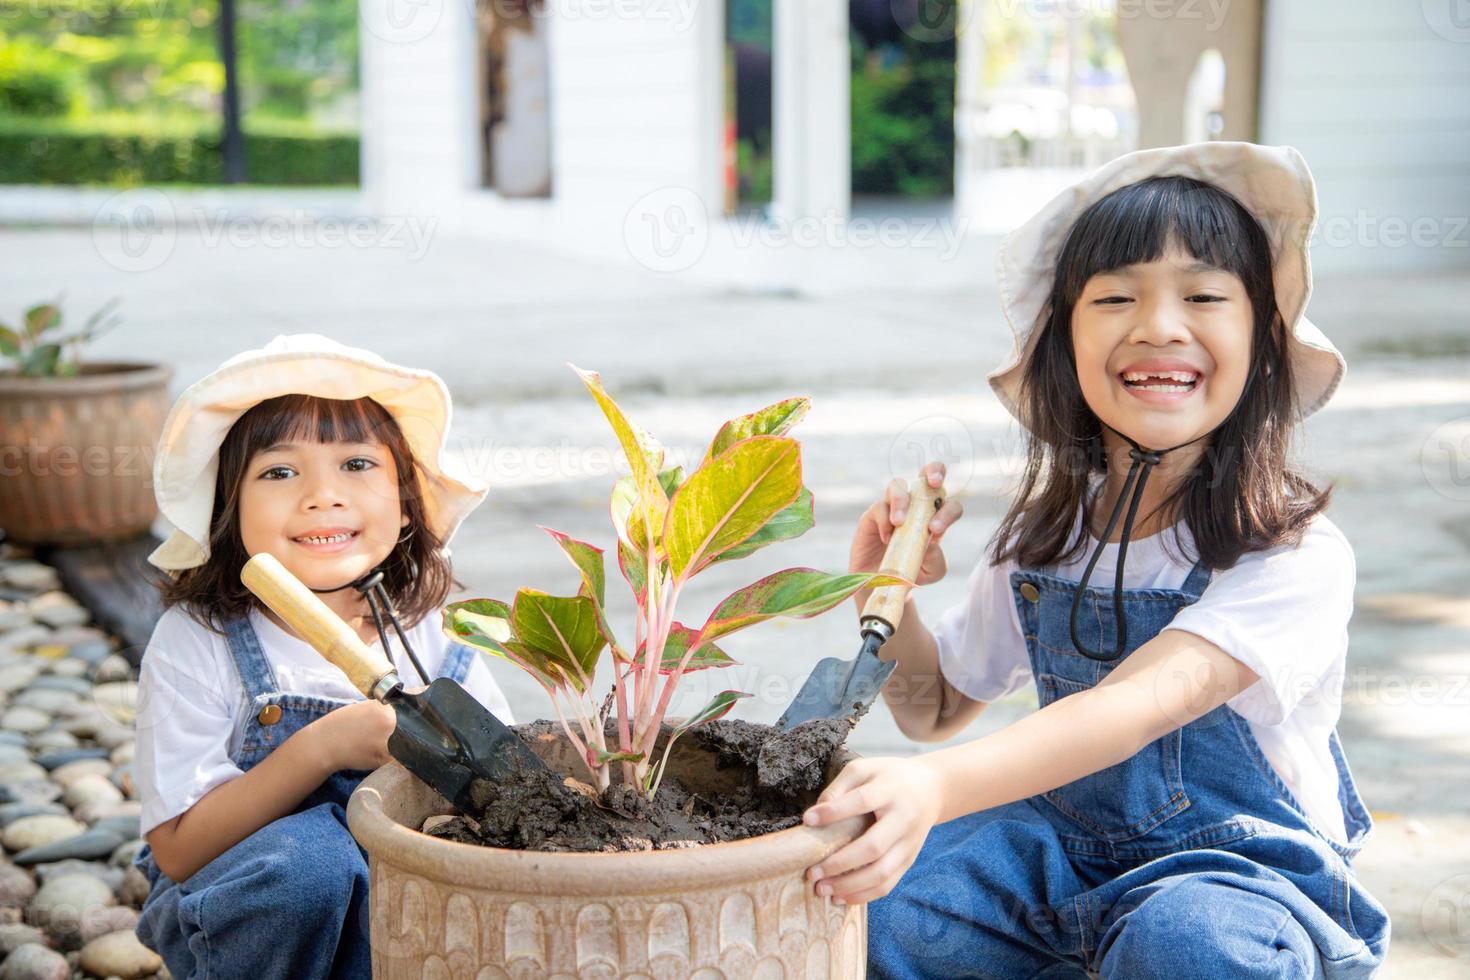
(41, 318)
(41, 361)
(485, 625)
(563, 629)
(603, 757)
(9, 342)
(796, 593)
(101, 321)
(536, 663)
(773, 420)
(645, 457)
(588, 560)
(706, 655)
(718, 707)
(728, 499)
(790, 523)
(634, 568)
(624, 500)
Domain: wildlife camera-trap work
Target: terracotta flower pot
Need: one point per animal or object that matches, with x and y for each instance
(736, 910)
(76, 454)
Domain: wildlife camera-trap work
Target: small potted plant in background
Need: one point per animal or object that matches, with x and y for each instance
(699, 867)
(76, 437)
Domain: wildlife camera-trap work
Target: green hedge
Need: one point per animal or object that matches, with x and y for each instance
(128, 154)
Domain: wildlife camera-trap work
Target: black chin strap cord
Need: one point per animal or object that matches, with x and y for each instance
(371, 587)
(1143, 461)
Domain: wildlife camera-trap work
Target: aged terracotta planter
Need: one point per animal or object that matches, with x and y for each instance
(76, 454)
(736, 910)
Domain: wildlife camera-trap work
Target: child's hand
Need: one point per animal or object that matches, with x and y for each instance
(904, 796)
(355, 736)
(876, 526)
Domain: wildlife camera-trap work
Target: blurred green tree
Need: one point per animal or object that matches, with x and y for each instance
(159, 59)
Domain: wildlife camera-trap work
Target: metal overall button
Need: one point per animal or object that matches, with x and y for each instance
(1030, 592)
(269, 715)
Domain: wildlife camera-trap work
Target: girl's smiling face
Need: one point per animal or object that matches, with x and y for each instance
(294, 495)
(1177, 317)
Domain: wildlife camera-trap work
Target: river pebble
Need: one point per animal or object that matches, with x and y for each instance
(69, 823)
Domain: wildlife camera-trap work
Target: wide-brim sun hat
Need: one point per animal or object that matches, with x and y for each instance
(1272, 182)
(187, 460)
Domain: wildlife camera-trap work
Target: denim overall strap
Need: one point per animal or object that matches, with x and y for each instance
(457, 662)
(1196, 580)
(250, 659)
(276, 715)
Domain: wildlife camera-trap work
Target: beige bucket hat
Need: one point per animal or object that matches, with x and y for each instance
(187, 458)
(1272, 182)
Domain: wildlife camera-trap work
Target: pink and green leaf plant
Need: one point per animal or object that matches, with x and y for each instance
(745, 494)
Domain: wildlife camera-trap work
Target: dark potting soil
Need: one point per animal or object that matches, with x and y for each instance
(796, 760)
(771, 777)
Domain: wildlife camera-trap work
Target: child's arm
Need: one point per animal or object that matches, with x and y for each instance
(351, 737)
(926, 706)
(1165, 684)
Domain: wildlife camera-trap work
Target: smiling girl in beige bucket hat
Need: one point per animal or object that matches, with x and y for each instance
(1180, 806)
(249, 743)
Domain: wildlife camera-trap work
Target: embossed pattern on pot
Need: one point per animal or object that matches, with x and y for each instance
(445, 909)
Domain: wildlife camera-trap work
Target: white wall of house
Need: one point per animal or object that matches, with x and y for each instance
(1376, 96)
(635, 106)
(417, 109)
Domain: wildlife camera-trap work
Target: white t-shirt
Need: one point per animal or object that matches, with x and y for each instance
(192, 704)
(1282, 612)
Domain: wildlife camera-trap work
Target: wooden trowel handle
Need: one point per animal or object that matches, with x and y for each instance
(316, 623)
(905, 552)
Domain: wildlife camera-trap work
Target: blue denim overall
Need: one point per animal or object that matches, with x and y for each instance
(1190, 860)
(290, 900)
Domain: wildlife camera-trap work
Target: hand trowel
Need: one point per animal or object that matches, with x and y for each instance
(843, 690)
(444, 736)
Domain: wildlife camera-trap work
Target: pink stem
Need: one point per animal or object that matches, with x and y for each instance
(654, 655)
(639, 637)
(625, 739)
(577, 743)
(650, 735)
(653, 649)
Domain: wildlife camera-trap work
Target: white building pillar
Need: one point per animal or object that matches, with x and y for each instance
(811, 110)
(970, 165)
